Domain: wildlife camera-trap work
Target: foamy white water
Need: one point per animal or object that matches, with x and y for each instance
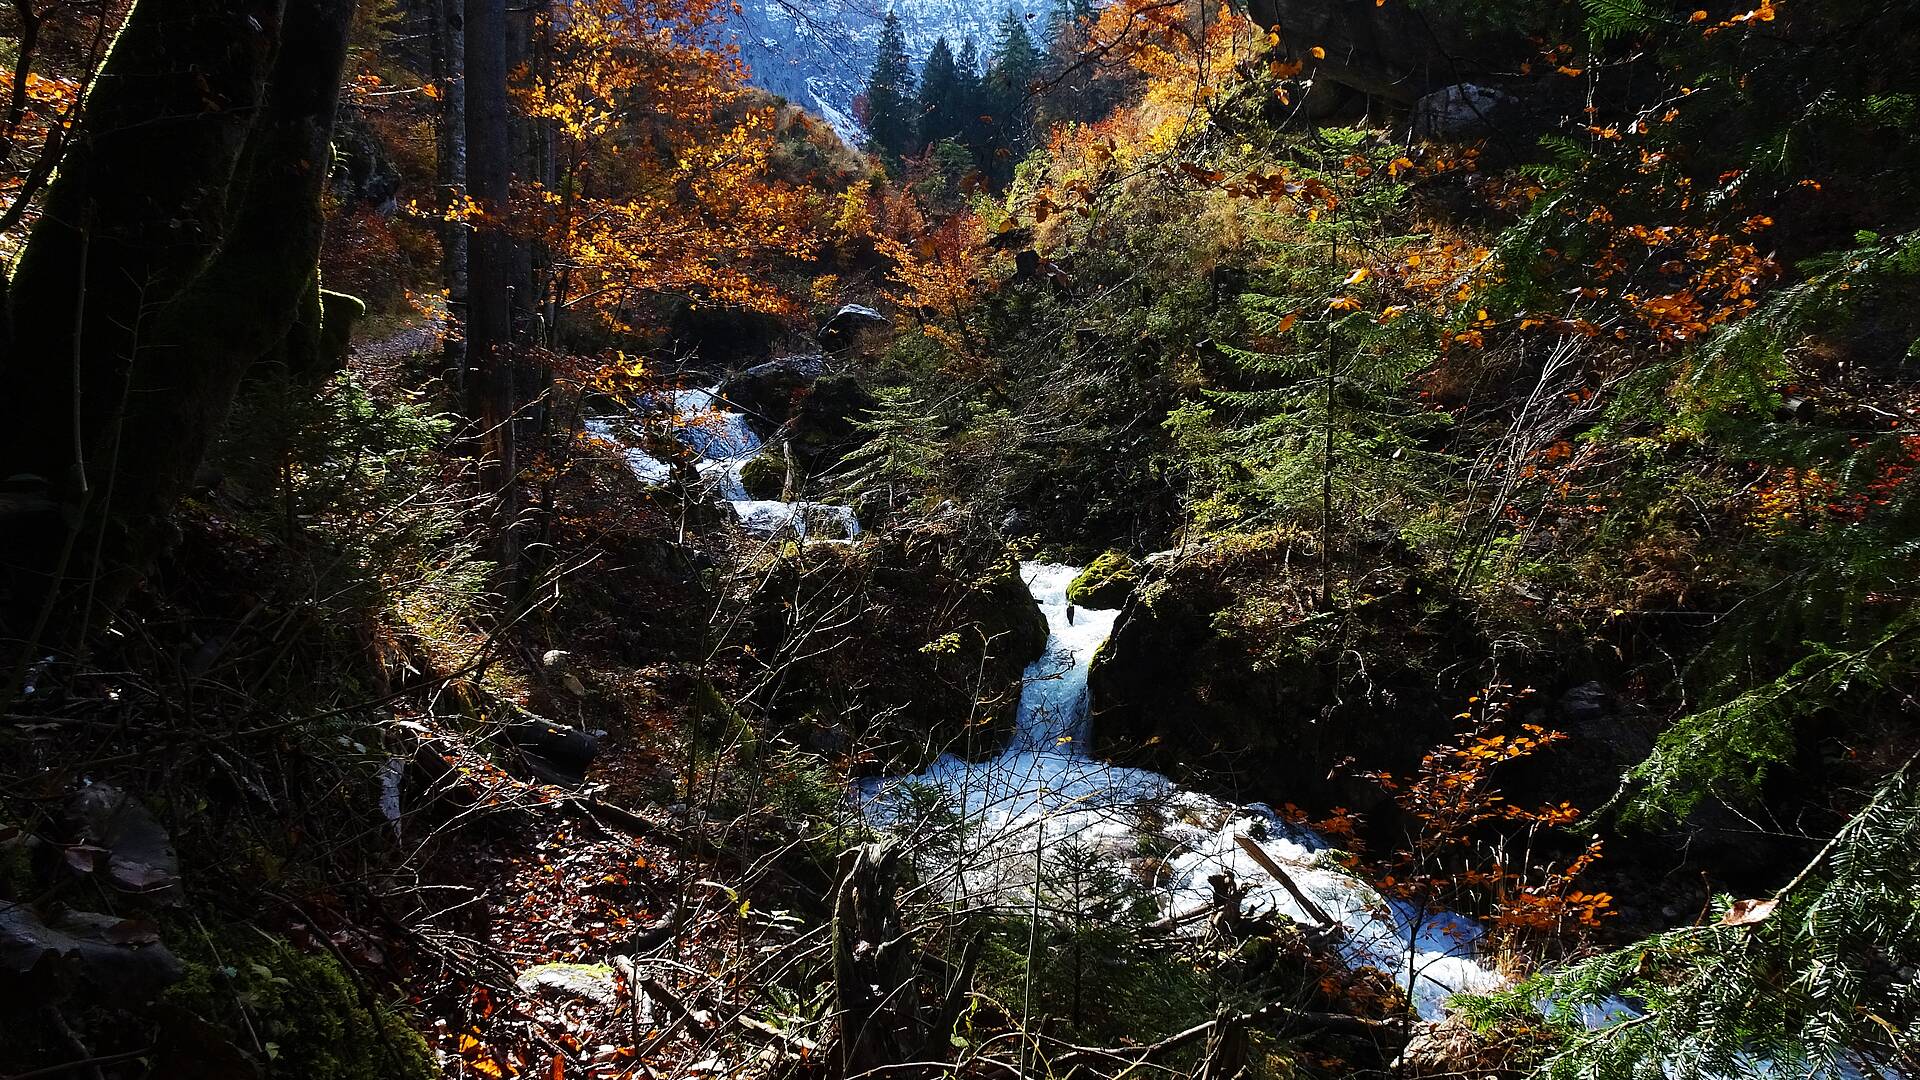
(1045, 790)
(724, 441)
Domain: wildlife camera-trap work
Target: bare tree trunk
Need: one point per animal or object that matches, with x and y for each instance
(491, 401)
(451, 39)
(870, 955)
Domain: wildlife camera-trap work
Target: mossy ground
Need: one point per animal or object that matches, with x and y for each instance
(294, 1013)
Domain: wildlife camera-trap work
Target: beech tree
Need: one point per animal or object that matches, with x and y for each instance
(491, 400)
(664, 186)
(450, 145)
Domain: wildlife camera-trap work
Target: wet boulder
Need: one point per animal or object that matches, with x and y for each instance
(799, 399)
(826, 425)
(1463, 110)
(935, 630)
(764, 476)
(769, 392)
(818, 521)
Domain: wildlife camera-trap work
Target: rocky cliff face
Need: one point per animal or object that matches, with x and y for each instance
(819, 55)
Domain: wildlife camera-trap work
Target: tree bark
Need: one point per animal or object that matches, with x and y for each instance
(177, 249)
(451, 39)
(491, 400)
(869, 960)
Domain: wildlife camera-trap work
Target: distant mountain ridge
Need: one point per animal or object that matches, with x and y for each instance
(818, 55)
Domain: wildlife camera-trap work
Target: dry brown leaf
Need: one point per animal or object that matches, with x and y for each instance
(1748, 912)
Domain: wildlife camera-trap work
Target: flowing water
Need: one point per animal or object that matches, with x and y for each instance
(722, 441)
(1044, 791)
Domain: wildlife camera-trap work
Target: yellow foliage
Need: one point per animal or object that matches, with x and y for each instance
(665, 185)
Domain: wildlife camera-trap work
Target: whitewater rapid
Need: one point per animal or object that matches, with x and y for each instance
(722, 441)
(1045, 790)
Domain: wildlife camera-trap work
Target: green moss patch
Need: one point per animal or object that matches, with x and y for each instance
(764, 477)
(1106, 583)
(295, 1014)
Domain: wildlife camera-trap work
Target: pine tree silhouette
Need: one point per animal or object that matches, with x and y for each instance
(891, 105)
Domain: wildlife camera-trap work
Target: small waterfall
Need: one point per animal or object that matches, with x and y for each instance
(724, 441)
(1044, 789)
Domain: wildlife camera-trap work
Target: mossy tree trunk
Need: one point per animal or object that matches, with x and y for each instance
(177, 250)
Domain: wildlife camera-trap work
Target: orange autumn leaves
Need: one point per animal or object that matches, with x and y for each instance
(1792, 498)
(1187, 52)
(1184, 52)
(40, 101)
(664, 185)
(1465, 828)
(38, 121)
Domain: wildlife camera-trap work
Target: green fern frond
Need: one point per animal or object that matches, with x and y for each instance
(1609, 20)
(1823, 985)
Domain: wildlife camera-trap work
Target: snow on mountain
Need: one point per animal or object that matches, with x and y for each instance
(818, 54)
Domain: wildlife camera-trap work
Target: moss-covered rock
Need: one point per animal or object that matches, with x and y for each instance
(764, 476)
(933, 628)
(771, 391)
(825, 425)
(293, 1013)
(339, 314)
(1106, 583)
(1221, 671)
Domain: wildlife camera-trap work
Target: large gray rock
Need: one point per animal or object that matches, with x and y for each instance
(932, 664)
(593, 983)
(1216, 673)
(826, 425)
(109, 959)
(122, 842)
(769, 392)
(363, 173)
(1459, 111)
(844, 328)
(1106, 582)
